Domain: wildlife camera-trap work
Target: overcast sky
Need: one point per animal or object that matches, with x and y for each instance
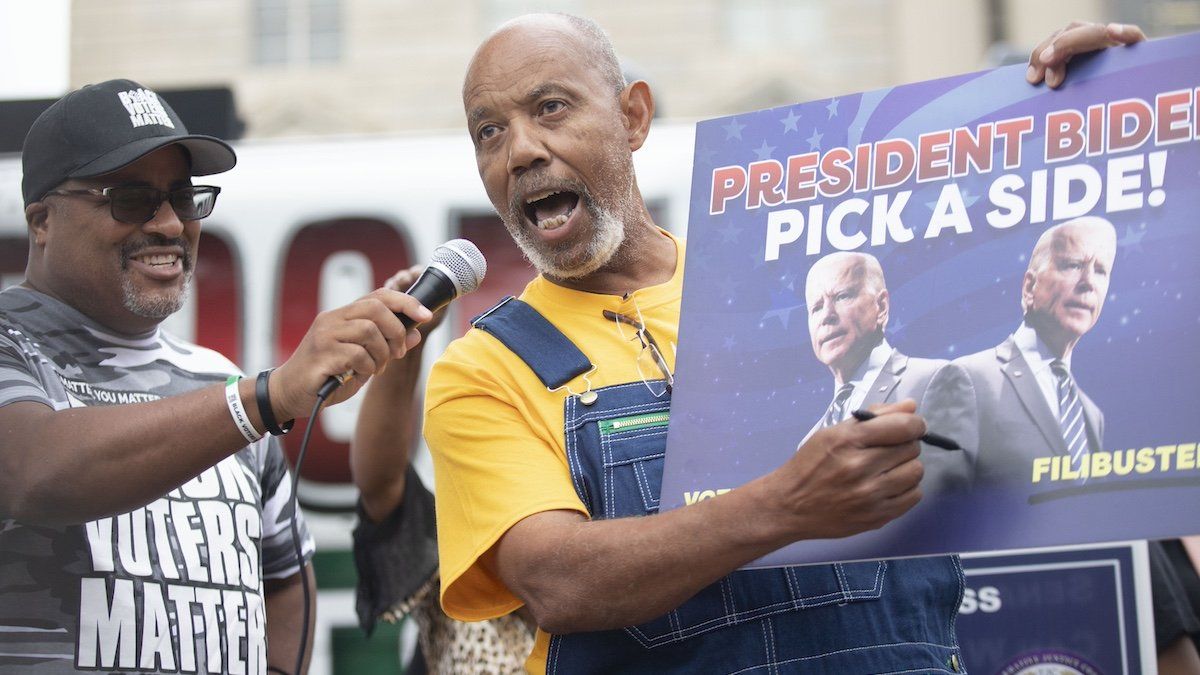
(33, 48)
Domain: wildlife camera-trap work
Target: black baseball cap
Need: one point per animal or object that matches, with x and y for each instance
(100, 128)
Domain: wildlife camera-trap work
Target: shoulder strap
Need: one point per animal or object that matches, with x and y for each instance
(548, 353)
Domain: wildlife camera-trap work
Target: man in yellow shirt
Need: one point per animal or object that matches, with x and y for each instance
(548, 425)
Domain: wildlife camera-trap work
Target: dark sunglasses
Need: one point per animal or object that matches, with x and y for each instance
(139, 205)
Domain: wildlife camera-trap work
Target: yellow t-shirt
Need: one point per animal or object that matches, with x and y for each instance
(496, 433)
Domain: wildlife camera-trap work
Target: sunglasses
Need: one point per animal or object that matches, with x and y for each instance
(139, 205)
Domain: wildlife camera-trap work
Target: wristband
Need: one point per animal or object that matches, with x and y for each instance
(262, 395)
(233, 398)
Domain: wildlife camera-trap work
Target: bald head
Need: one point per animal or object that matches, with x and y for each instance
(848, 308)
(587, 36)
(1066, 283)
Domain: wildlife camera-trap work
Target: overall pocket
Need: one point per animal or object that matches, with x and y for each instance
(632, 453)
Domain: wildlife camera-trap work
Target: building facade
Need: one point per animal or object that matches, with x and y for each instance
(318, 67)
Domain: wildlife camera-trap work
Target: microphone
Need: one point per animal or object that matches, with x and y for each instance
(457, 268)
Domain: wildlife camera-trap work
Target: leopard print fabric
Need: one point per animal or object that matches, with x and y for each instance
(464, 648)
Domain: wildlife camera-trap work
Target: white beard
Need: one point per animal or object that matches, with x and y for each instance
(609, 234)
(609, 231)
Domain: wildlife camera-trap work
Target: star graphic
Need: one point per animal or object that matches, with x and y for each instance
(814, 141)
(1132, 240)
(704, 155)
(729, 343)
(789, 122)
(788, 280)
(782, 306)
(729, 233)
(833, 107)
(782, 314)
(764, 151)
(733, 129)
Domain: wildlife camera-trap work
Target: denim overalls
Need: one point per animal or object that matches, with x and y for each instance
(873, 617)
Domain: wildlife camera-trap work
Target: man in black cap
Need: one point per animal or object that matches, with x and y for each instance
(146, 520)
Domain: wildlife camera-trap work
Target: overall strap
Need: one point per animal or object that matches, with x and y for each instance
(548, 353)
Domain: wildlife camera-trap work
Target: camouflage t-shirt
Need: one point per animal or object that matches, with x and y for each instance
(175, 586)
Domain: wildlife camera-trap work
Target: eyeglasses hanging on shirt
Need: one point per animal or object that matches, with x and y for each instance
(650, 356)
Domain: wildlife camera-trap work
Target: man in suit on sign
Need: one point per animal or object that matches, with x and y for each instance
(1029, 403)
(848, 307)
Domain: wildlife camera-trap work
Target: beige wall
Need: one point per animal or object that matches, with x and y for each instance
(1026, 17)
(936, 38)
(184, 42)
(403, 61)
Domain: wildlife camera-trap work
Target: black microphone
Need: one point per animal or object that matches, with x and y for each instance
(457, 268)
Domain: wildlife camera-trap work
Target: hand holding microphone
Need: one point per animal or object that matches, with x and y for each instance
(457, 268)
(359, 338)
(403, 280)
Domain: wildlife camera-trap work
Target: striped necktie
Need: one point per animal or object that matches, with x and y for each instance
(1070, 413)
(837, 407)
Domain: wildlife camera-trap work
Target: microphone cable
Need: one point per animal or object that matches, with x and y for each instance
(312, 422)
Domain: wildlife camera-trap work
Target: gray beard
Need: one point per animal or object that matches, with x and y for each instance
(157, 306)
(610, 232)
(601, 249)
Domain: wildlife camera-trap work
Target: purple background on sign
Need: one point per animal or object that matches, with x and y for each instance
(749, 388)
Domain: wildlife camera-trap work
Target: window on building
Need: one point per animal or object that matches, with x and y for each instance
(324, 31)
(271, 31)
(297, 31)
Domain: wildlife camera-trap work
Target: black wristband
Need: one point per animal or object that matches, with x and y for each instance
(262, 396)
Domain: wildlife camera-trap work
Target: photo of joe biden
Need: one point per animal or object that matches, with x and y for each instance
(1029, 403)
(848, 308)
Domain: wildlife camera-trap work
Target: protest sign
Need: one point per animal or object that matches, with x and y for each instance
(1019, 261)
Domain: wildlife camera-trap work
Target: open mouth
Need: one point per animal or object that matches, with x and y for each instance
(158, 256)
(550, 209)
(160, 260)
(162, 263)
